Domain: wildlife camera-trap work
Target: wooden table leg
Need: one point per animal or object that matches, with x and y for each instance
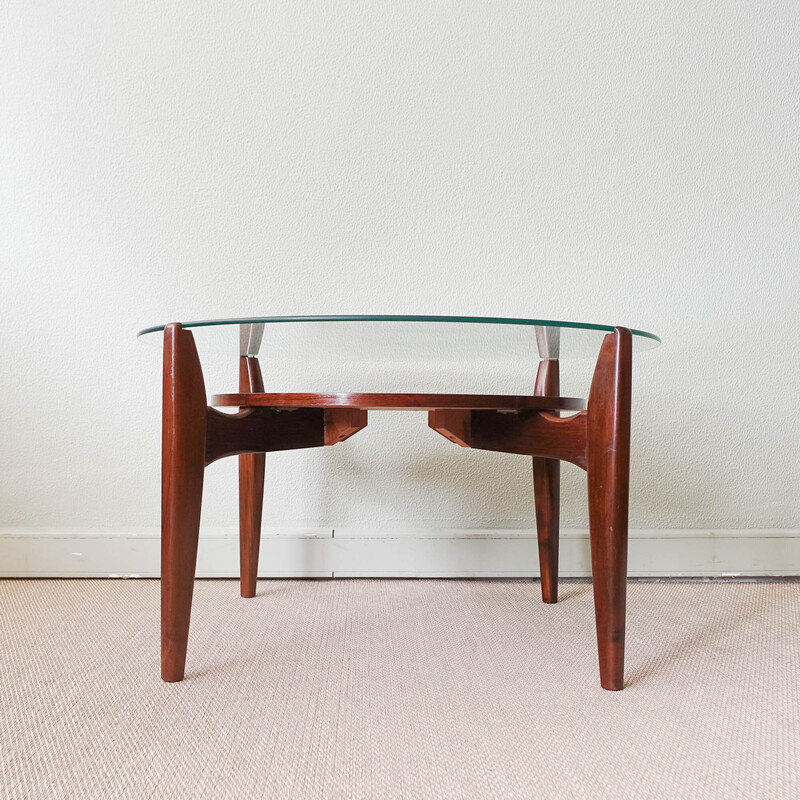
(608, 458)
(546, 490)
(194, 436)
(183, 462)
(251, 490)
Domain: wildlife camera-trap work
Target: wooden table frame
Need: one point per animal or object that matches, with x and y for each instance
(596, 439)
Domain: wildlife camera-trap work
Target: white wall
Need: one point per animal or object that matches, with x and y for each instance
(632, 163)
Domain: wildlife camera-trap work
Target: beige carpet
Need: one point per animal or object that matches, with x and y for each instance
(399, 689)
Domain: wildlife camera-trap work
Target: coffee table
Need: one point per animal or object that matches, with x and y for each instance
(595, 436)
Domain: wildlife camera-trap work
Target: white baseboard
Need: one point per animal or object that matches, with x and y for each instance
(326, 552)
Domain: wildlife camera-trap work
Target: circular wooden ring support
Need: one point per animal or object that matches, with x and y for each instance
(497, 402)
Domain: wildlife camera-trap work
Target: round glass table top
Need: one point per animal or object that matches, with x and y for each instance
(400, 337)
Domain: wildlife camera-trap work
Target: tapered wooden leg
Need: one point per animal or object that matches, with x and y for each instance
(608, 458)
(251, 490)
(546, 490)
(182, 466)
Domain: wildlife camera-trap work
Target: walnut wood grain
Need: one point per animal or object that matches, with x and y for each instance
(452, 423)
(342, 423)
(262, 430)
(608, 435)
(251, 490)
(546, 490)
(182, 458)
(531, 433)
(399, 401)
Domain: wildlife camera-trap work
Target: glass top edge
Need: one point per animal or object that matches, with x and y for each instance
(549, 323)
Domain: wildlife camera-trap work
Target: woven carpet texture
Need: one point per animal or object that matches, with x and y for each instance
(398, 689)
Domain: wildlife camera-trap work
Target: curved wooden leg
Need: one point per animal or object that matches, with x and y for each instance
(251, 490)
(546, 491)
(182, 466)
(608, 457)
